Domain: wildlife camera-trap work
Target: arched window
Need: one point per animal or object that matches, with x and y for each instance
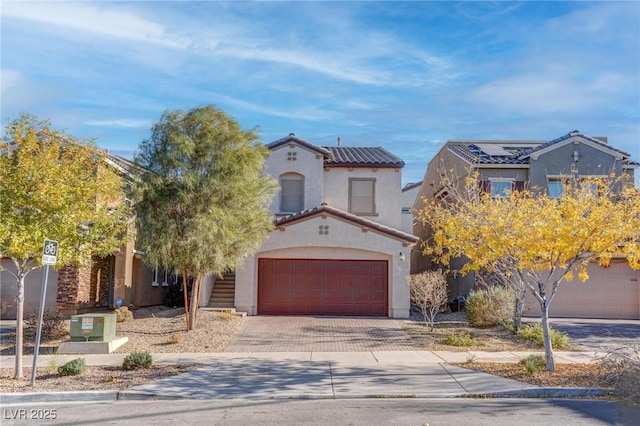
(292, 193)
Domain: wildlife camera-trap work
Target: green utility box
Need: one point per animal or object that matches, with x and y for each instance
(98, 327)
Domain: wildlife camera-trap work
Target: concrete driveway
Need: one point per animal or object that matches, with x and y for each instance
(321, 334)
(599, 335)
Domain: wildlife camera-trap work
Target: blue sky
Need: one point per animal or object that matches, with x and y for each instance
(403, 75)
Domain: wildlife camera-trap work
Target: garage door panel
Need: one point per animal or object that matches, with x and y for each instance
(611, 292)
(322, 287)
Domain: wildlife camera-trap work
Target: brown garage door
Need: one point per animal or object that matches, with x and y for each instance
(322, 287)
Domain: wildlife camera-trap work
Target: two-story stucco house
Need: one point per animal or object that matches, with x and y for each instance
(338, 247)
(612, 292)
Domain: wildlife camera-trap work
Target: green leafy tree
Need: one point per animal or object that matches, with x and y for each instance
(540, 240)
(54, 186)
(203, 203)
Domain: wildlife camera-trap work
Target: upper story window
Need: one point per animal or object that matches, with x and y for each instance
(362, 196)
(501, 187)
(555, 187)
(292, 192)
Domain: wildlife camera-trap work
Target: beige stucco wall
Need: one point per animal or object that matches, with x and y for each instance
(32, 290)
(308, 163)
(206, 289)
(388, 191)
(301, 240)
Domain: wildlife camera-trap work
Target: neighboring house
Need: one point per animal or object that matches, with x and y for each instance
(409, 194)
(612, 292)
(73, 290)
(338, 247)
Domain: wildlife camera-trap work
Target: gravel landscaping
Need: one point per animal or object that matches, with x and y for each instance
(161, 330)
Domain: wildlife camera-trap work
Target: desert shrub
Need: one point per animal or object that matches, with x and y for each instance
(175, 338)
(72, 368)
(227, 316)
(123, 314)
(175, 296)
(533, 332)
(136, 360)
(490, 306)
(459, 339)
(54, 324)
(623, 370)
(534, 363)
(428, 291)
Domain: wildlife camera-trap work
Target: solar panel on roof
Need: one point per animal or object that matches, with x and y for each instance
(493, 150)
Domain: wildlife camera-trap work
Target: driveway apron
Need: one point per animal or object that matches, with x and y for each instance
(599, 335)
(321, 334)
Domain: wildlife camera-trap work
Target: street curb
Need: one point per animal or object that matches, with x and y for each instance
(73, 396)
(143, 396)
(124, 395)
(548, 393)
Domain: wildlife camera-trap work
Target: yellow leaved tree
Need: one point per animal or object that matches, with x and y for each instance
(56, 187)
(532, 239)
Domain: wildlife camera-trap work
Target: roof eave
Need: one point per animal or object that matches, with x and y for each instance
(407, 239)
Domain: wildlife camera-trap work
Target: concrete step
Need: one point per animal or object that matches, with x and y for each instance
(229, 309)
(223, 292)
(226, 291)
(219, 286)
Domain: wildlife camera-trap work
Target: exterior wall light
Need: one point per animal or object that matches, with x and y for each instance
(401, 257)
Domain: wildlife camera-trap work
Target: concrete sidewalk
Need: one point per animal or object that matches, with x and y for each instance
(381, 357)
(277, 375)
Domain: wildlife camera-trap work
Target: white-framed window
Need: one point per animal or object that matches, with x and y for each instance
(501, 187)
(154, 282)
(292, 192)
(362, 196)
(165, 277)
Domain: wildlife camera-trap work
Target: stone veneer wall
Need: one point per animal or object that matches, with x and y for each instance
(74, 289)
(81, 288)
(101, 280)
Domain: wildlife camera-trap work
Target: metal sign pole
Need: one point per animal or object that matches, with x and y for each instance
(49, 257)
(39, 329)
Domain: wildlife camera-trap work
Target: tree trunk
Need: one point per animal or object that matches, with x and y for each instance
(195, 291)
(186, 299)
(198, 298)
(517, 311)
(19, 325)
(546, 335)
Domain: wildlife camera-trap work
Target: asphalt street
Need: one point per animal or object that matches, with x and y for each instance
(407, 411)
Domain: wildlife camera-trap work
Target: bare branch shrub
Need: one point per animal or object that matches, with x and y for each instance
(623, 366)
(428, 291)
(54, 324)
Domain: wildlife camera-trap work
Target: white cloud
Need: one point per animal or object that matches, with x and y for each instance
(353, 55)
(100, 19)
(548, 93)
(122, 122)
(298, 113)
(10, 78)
